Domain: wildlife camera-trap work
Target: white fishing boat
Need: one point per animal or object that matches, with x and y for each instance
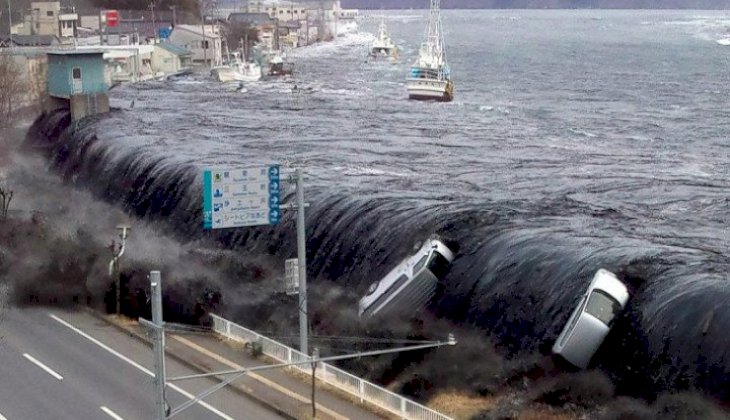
(250, 69)
(225, 73)
(383, 45)
(237, 70)
(430, 76)
(278, 65)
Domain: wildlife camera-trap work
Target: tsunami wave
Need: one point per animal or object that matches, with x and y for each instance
(517, 273)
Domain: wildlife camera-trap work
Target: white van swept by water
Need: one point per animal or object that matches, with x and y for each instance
(591, 319)
(411, 284)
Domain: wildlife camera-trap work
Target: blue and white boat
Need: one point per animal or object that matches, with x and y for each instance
(430, 76)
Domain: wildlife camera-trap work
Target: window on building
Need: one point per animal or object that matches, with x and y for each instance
(281, 12)
(49, 13)
(204, 44)
(76, 73)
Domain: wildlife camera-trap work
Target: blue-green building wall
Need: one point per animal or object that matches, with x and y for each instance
(60, 70)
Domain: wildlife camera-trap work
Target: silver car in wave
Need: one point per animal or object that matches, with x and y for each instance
(592, 319)
(411, 284)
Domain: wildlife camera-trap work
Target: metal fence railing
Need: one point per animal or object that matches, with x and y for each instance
(363, 390)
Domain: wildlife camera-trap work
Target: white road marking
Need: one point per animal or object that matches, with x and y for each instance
(111, 414)
(42, 366)
(138, 366)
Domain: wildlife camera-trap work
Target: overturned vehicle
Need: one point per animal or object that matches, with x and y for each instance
(411, 284)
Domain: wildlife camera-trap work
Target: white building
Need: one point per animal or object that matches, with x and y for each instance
(282, 10)
(342, 21)
(48, 18)
(125, 63)
(169, 58)
(204, 41)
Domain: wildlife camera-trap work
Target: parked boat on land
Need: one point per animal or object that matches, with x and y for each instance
(430, 76)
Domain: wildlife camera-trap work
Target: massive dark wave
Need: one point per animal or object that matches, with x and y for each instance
(516, 276)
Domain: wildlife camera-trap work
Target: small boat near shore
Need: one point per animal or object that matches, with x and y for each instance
(279, 66)
(237, 68)
(383, 45)
(237, 71)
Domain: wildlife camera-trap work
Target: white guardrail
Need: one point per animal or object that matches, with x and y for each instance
(329, 374)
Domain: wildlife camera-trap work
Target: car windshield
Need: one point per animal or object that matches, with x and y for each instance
(438, 265)
(602, 306)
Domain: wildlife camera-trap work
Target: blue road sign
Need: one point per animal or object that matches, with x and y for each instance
(235, 197)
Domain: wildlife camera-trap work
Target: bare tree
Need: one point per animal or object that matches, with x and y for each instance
(12, 88)
(5, 197)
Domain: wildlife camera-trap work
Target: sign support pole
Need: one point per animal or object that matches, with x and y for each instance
(302, 256)
(159, 344)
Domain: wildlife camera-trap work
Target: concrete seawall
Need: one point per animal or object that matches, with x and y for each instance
(33, 65)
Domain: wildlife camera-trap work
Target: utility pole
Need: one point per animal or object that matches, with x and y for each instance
(204, 42)
(102, 29)
(10, 22)
(315, 355)
(157, 326)
(174, 20)
(159, 344)
(114, 265)
(302, 256)
(306, 31)
(154, 28)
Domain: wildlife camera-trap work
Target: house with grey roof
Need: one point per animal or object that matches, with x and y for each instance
(252, 19)
(170, 58)
(28, 41)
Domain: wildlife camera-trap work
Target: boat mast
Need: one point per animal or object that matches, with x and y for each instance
(434, 38)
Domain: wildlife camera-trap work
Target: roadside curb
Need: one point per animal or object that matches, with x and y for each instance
(245, 391)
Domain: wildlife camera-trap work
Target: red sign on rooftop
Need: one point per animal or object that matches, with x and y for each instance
(112, 18)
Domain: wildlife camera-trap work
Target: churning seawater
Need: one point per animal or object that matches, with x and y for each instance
(577, 140)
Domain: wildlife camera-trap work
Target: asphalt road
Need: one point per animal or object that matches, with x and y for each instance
(70, 365)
